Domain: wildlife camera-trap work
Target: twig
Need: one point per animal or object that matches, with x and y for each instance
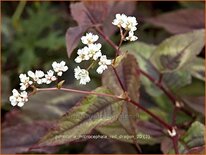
(167, 126)
(158, 84)
(160, 78)
(107, 39)
(175, 144)
(79, 91)
(118, 78)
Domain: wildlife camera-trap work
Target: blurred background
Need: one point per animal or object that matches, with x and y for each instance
(33, 36)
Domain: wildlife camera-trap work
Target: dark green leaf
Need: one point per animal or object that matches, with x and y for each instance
(91, 112)
(177, 51)
(197, 68)
(127, 71)
(193, 138)
(190, 141)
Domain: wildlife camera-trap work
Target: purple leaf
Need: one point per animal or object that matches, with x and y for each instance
(150, 128)
(73, 36)
(79, 13)
(196, 103)
(90, 13)
(180, 21)
(19, 138)
(197, 150)
(117, 7)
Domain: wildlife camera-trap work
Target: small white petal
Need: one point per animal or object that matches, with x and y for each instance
(65, 68)
(39, 73)
(23, 87)
(89, 38)
(20, 104)
(97, 55)
(31, 74)
(62, 63)
(59, 73)
(82, 75)
(59, 68)
(78, 59)
(13, 103)
(39, 81)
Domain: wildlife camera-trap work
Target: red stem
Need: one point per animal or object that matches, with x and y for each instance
(172, 98)
(159, 84)
(118, 78)
(169, 95)
(79, 91)
(160, 78)
(175, 144)
(107, 39)
(167, 126)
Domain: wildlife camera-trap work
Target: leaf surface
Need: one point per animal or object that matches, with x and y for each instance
(186, 20)
(73, 36)
(91, 112)
(191, 141)
(92, 13)
(19, 138)
(130, 79)
(177, 51)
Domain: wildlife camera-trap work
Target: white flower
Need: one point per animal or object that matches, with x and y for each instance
(103, 64)
(120, 19)
(94, 51)
(37, 76)
(25, 82)
(89, 38)
(59, 68)
(18, 98)
(49, 77)
(83, 54)
(13, 99)
(172, 133)
(131, 36)
(130, 24)
(82, 75)
(24, 96)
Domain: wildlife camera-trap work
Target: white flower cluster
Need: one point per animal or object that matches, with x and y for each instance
(92, 51)
(128, 23)
(37, 77)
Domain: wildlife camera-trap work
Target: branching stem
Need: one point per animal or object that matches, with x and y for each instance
(79, 91)
(118, 78)
(158, 84)
(167, 126)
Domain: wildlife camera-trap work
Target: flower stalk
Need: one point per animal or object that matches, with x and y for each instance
(167, 126)
(158, 84)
